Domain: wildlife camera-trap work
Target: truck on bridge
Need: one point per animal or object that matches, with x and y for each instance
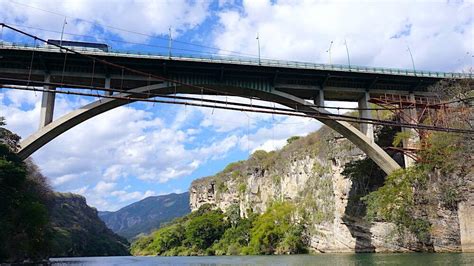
(76, 45)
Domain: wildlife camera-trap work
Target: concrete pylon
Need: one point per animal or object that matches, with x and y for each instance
(411, 117)
(466, 225)
(367, 129)
(107, 86)
(47, 103)
(319, 99)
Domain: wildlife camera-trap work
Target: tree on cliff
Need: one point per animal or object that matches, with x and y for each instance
(35, 222)
(23, 213)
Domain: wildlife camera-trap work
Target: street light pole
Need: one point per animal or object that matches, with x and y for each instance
(169, 43)
(347, 50)
(62, 32)
(412, 61)
(329, 52)
(258, 43)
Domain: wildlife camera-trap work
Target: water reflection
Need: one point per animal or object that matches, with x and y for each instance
(422, 259)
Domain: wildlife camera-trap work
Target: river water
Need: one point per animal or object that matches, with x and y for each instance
(422, 259)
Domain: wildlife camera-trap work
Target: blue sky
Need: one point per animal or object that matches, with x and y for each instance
(143, 149)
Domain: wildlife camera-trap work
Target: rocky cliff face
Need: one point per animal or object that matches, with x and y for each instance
(78, 231)
(309, 172)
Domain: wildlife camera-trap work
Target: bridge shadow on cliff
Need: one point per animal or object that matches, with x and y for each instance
(366, 177)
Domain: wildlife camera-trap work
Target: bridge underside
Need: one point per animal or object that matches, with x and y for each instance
(286, 85)
(362, 139)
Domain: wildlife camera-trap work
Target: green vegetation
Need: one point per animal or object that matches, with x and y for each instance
(242, 188)
(398, 200)
(262, 159)
(395, 201)
(411, 198)
(276, 232)
(400, 137)
(211, 232)
(233, 166)
(276, 179)
(76, 230)
(147, 214)
(23, 212)
(292, 139)
(36, 223)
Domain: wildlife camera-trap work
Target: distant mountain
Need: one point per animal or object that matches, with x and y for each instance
(145, 215)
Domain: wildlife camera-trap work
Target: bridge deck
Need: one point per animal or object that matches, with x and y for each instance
(298, 78)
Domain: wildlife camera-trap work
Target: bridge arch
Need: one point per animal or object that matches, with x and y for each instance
(68, 121)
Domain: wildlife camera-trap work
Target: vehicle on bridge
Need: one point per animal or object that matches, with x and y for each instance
(84, 46)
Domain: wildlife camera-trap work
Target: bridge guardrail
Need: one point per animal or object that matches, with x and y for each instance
(255, 62)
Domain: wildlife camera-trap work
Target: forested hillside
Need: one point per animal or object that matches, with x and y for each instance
(147, 214)
(209, 231)
(37, 223)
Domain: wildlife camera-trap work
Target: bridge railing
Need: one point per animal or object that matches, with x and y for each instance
(251, 61)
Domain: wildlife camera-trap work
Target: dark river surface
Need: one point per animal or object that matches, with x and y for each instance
(422, 259)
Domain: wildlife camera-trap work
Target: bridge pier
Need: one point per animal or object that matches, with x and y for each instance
(319, 99)
(367, 129)
(107, 85)
(410, 143)
(47, 104)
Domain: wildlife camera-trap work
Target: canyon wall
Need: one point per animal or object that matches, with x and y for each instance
(310, 172)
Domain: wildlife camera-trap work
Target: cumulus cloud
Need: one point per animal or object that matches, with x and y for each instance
(104, 187)
(64, 178)
(273, 136)
(124, 196)
(114, 172)
(377, 32)
(91, 17)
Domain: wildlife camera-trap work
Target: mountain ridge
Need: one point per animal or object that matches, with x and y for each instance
(143, 216)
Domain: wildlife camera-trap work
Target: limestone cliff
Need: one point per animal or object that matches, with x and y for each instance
(309, 172)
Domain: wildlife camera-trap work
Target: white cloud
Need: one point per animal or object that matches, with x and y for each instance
(219, 148)
(63, 179)
(126, 143)
(227, 120)
(124, 196)
(19, 98)
(271, 145)
(275, 135)
(149, 18)
(81, 190)
(104, 187)
(113, 200)
(113, 172)
(22, 107)
(440, 33)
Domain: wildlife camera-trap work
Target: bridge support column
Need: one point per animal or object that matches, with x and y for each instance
(410, 116)
(107, 86)
(367, 129)
(319, 99)
(47, 104)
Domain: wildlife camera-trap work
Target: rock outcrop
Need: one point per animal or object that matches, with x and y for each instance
(309, 172)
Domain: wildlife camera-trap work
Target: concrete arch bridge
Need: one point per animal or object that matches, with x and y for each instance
(283, 82)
